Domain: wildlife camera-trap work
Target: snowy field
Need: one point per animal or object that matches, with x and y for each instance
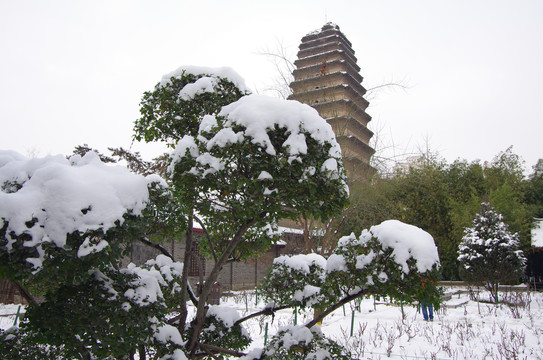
(462, 328)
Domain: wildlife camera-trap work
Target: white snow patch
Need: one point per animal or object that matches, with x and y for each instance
(301, 262)
(407, 241)
(226, 314)
(176, 355)
(336, 263)
(63, 196)
(217, 72)
(168, 333)
(364, 260)
(88, 248)
(264, 175)
(259, 114)
(186, 143)
(202, 85)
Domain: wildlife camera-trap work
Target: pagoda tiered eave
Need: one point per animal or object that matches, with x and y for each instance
(336, 65)
(336, 54)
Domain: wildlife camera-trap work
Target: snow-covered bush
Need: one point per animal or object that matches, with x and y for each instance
(489, 253)
(300, 343)
(299, 278)
(392, 259)
(221, 329)
(64, 227)
(179, 101)
(53, 206)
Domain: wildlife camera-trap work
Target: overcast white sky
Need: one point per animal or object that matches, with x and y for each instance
(73, 72)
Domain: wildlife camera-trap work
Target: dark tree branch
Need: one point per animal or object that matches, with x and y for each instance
(24, 292)
(267, 311)
(185, 286)
(199, 221)
(156, 246)
(212, 277)
(192, 297)
(217, 349)
(142, 353)
(334, 307)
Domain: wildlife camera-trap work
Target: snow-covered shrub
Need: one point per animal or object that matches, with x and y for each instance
(299, 277)
(246, 166)
(300, 343)
(55, 210)
(179, 101)
(18, 344)
(220, 329)
(391, 259)
(64, 226)
(489, 253)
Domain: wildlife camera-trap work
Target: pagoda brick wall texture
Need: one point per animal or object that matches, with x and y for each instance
(327, 78)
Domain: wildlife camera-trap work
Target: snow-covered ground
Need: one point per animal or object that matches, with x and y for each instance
(462, 328)
(8, 313)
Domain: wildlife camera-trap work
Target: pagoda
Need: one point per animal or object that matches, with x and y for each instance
(328, 79)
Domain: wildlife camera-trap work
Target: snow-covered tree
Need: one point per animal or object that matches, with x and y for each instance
(392, 259)
(64, 226)
(489, 253)
(239, 164)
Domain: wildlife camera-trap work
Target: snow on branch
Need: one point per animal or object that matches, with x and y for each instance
(46, 199)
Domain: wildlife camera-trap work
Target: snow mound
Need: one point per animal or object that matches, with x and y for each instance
(407, 241)
(213, 72)
(259, 114)
(51, 197)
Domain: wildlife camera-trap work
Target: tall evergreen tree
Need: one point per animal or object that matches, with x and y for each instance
(534, 190)
(489, 253)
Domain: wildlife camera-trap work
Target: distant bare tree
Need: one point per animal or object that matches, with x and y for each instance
(280, 57)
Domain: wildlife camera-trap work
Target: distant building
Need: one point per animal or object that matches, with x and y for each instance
(236, 275)
(327, 78)
(410, 162)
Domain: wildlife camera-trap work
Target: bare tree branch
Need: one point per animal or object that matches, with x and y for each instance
(217, 349)
(199, 221)
(284, 66)
(334, 307)
(24, 292)
(156, 246)
(270, 311)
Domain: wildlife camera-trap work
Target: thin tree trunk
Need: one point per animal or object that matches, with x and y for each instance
(206, 288)
(184, 279)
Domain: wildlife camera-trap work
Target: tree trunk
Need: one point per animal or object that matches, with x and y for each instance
(184, 279)
(211, 279)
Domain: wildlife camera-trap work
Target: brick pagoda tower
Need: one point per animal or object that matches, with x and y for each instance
(327, 78)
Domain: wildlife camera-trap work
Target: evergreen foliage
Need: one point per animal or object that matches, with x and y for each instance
(229, 173)
(489, 253)
(392, 259)
(443, 199)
